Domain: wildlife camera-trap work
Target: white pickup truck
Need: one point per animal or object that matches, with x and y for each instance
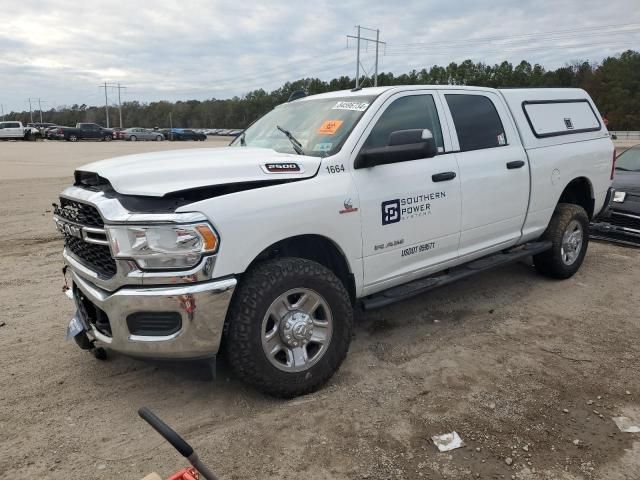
(11, 130)
(352, 198)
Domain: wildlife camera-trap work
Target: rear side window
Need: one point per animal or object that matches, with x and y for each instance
(477, 122)
(407, 113)
(550, 118)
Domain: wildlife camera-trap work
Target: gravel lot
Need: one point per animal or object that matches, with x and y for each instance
(522, 367)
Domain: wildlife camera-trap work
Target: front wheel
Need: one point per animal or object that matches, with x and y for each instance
(568, 232)
(159, 138)
(108, 138)
(73, 138)
(289, 327)
(133, 138)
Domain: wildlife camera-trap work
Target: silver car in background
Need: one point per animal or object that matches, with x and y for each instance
(135, 134)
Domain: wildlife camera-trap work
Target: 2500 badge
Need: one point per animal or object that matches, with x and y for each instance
(418, 249)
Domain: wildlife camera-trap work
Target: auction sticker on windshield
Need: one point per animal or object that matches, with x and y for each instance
(329, 127)
(355, 106)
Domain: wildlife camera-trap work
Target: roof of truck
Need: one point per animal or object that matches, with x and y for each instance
(375, 91)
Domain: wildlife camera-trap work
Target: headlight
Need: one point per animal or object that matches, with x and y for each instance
(619, 196)
(162, 246)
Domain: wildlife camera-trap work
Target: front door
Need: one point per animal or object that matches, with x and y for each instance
(410, 210)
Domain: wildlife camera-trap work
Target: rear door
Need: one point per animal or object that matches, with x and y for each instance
(494, 171)
(410, 211)
(14, 130)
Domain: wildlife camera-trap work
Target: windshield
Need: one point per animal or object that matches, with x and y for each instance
(629, 160)
(320, 126)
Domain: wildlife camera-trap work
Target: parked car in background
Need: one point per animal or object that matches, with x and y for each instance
(41, 126)
(16, 131)
(51, 132)
(186, 134)
(85, 131)
(134, 134)
(623, 223)
(118, 133)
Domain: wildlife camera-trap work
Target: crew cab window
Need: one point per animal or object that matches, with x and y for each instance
(407, 113)
(477, 122)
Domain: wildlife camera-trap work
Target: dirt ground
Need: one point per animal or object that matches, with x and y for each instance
(522, 367)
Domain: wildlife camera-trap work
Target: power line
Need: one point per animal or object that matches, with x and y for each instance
(522, 48)
(570, 32)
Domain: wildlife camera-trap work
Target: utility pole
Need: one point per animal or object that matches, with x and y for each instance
(2, 109)
(40, 108)
(106, 103)
(120, 104)
(30, 112)
(375, 78)
(359, 39)
(358, 60)
(119, 87)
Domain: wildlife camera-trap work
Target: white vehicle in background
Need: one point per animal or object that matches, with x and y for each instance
(135, 134)
(11, 130)
(347, 199)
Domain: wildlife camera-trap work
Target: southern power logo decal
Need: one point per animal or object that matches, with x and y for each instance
(408, 207)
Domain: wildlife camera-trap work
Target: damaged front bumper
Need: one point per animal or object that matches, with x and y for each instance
(161, 322)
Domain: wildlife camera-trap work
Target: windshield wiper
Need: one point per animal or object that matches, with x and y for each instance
(297, 146)
(623, 169)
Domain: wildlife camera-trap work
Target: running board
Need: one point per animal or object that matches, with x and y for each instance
(416, 287)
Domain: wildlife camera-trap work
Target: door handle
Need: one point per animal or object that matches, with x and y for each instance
(515, 164)
(443, 177)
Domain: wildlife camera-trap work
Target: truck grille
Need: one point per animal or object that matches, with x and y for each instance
(94, 256)
(80, 213)
(626, 221)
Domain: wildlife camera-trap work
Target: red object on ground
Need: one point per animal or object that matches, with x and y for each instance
(186, 474)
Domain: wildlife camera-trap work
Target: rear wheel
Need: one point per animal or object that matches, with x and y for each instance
(568, 232)
(289, 327)
(159, 138)
(73, 138)
(108, 138)
(133, 138)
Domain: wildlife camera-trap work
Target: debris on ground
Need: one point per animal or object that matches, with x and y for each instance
(626, 425)
(2, 324)
(508, 461)
(447, 441)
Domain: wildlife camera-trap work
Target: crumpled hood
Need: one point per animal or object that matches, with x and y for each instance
(159, 173)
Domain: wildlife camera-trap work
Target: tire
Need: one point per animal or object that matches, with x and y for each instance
(133, 138)
(301, 283)
(72, 138)
(108, 138)
(568, 231)
(159, 138)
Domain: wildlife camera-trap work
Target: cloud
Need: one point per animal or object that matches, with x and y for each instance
(62, 50)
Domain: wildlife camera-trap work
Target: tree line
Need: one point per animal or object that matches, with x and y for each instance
(614, 85)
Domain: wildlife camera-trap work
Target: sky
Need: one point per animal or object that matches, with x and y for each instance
(61, 51)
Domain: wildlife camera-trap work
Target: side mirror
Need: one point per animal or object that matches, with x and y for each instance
(403, 146)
